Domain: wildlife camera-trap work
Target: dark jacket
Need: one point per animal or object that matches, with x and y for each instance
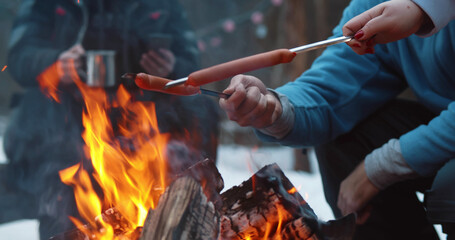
(44, 136)
(44, 29)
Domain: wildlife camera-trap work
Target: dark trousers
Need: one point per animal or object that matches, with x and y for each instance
(397, 213)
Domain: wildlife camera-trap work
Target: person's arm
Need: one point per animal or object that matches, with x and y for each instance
(338, 91)
(381, 168)
(430, 146)
(396, 19)
(31, 49)
(420, 152)
(386, 22)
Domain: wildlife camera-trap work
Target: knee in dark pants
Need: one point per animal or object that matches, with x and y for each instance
(449, 229)
(336, 160)
(440, 199)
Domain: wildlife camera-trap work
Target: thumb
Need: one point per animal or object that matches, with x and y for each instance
(78, 49)
(375, 26)
(358, 22)
(235, 81)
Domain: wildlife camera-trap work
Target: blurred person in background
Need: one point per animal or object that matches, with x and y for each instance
(374, 150)
(44, 136)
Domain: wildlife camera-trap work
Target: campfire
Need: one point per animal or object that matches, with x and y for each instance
(135, 193)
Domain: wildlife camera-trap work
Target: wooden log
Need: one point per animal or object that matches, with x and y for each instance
(297, 229)
(257, 207)
(206, 173)
(183, 212)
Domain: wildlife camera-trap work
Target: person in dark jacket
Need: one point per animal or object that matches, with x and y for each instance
(44, 136)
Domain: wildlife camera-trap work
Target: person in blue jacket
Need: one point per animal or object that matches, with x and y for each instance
(374, 150)
(44, 136)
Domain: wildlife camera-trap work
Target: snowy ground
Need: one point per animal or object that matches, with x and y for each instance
(236, 164)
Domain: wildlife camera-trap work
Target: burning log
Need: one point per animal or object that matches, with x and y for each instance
(183, 212)
(203, 172)
(206, 173)
(267, 206)
(112, 217)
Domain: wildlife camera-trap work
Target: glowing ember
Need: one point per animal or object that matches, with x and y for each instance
(128, 159)
(3, 69)
(292, 190)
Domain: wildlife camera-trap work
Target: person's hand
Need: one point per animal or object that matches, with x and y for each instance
(387, 22)
(355, 193)
(69, 62)
(158, 64)
(250, 103)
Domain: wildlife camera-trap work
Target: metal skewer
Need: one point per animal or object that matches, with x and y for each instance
(321, 44)
(214, 93)
(132, 76)
(304, 48)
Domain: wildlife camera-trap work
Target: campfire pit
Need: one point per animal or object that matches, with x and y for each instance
(266, 206)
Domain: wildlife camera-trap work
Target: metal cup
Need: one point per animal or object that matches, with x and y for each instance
(100, 66)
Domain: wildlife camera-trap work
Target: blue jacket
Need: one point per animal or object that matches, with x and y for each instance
(342, 88)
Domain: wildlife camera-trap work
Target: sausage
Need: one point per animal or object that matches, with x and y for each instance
(154, 83)
(242, 65)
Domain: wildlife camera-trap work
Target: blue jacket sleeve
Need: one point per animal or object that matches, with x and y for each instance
(340, 89)
(30, 47)
(428, 147)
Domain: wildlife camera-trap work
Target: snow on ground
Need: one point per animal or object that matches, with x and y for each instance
(236, 164)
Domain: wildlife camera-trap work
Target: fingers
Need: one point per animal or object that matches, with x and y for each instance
(364, 214)
(167, 54)
(355, 193)
(238, 90)
(353, 26)
(375, 26)
(149, 64)
(160, 60)
(346, 203)
(156, 64)
(364, 27)
(363, 47)
(250, 103)
(238, 95)
(264, 114)
(78, 49)
(75, 52)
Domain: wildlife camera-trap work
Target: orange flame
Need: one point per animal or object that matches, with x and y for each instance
(277, 217)
(128, 158)
(292, 190)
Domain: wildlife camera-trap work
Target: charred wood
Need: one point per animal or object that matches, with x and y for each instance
(183, 212)
(268, 206)
(203, 172)
(206, 173)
